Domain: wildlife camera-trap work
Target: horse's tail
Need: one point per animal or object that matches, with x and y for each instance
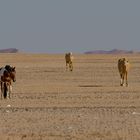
(5, 90)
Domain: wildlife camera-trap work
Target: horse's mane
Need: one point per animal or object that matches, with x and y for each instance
(8, 68)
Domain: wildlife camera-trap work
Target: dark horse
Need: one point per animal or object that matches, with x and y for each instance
(8, 76)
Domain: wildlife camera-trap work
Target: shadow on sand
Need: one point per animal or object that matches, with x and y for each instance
(90, 86)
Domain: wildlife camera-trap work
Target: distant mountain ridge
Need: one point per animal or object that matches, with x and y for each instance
(114, 51)
(9, 50)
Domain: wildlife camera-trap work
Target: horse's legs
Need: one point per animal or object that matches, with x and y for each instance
(123, 76)
(121, 80)
(66, 66)
(1, 89)
(10, 90)
(71, 66)
(5, 90)
(126, 79)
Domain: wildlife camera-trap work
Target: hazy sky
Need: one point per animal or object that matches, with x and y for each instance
(69, 25)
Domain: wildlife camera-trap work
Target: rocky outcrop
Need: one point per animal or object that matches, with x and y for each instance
(9, 50)
(114, 51)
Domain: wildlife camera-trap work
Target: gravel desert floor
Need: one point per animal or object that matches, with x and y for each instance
(50, 103)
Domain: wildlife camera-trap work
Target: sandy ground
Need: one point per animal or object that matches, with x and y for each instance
(49, 103)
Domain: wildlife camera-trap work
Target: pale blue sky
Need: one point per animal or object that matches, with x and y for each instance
(57, 26)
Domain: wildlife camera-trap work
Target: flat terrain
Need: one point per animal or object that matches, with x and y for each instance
(49, 103)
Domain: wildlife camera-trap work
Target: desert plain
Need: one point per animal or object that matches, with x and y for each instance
(50, 103)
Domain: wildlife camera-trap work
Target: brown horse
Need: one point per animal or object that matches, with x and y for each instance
(6, 82)
(123, 67)
(69, 61)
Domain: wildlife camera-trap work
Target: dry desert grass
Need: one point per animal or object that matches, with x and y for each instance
(49, 103)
